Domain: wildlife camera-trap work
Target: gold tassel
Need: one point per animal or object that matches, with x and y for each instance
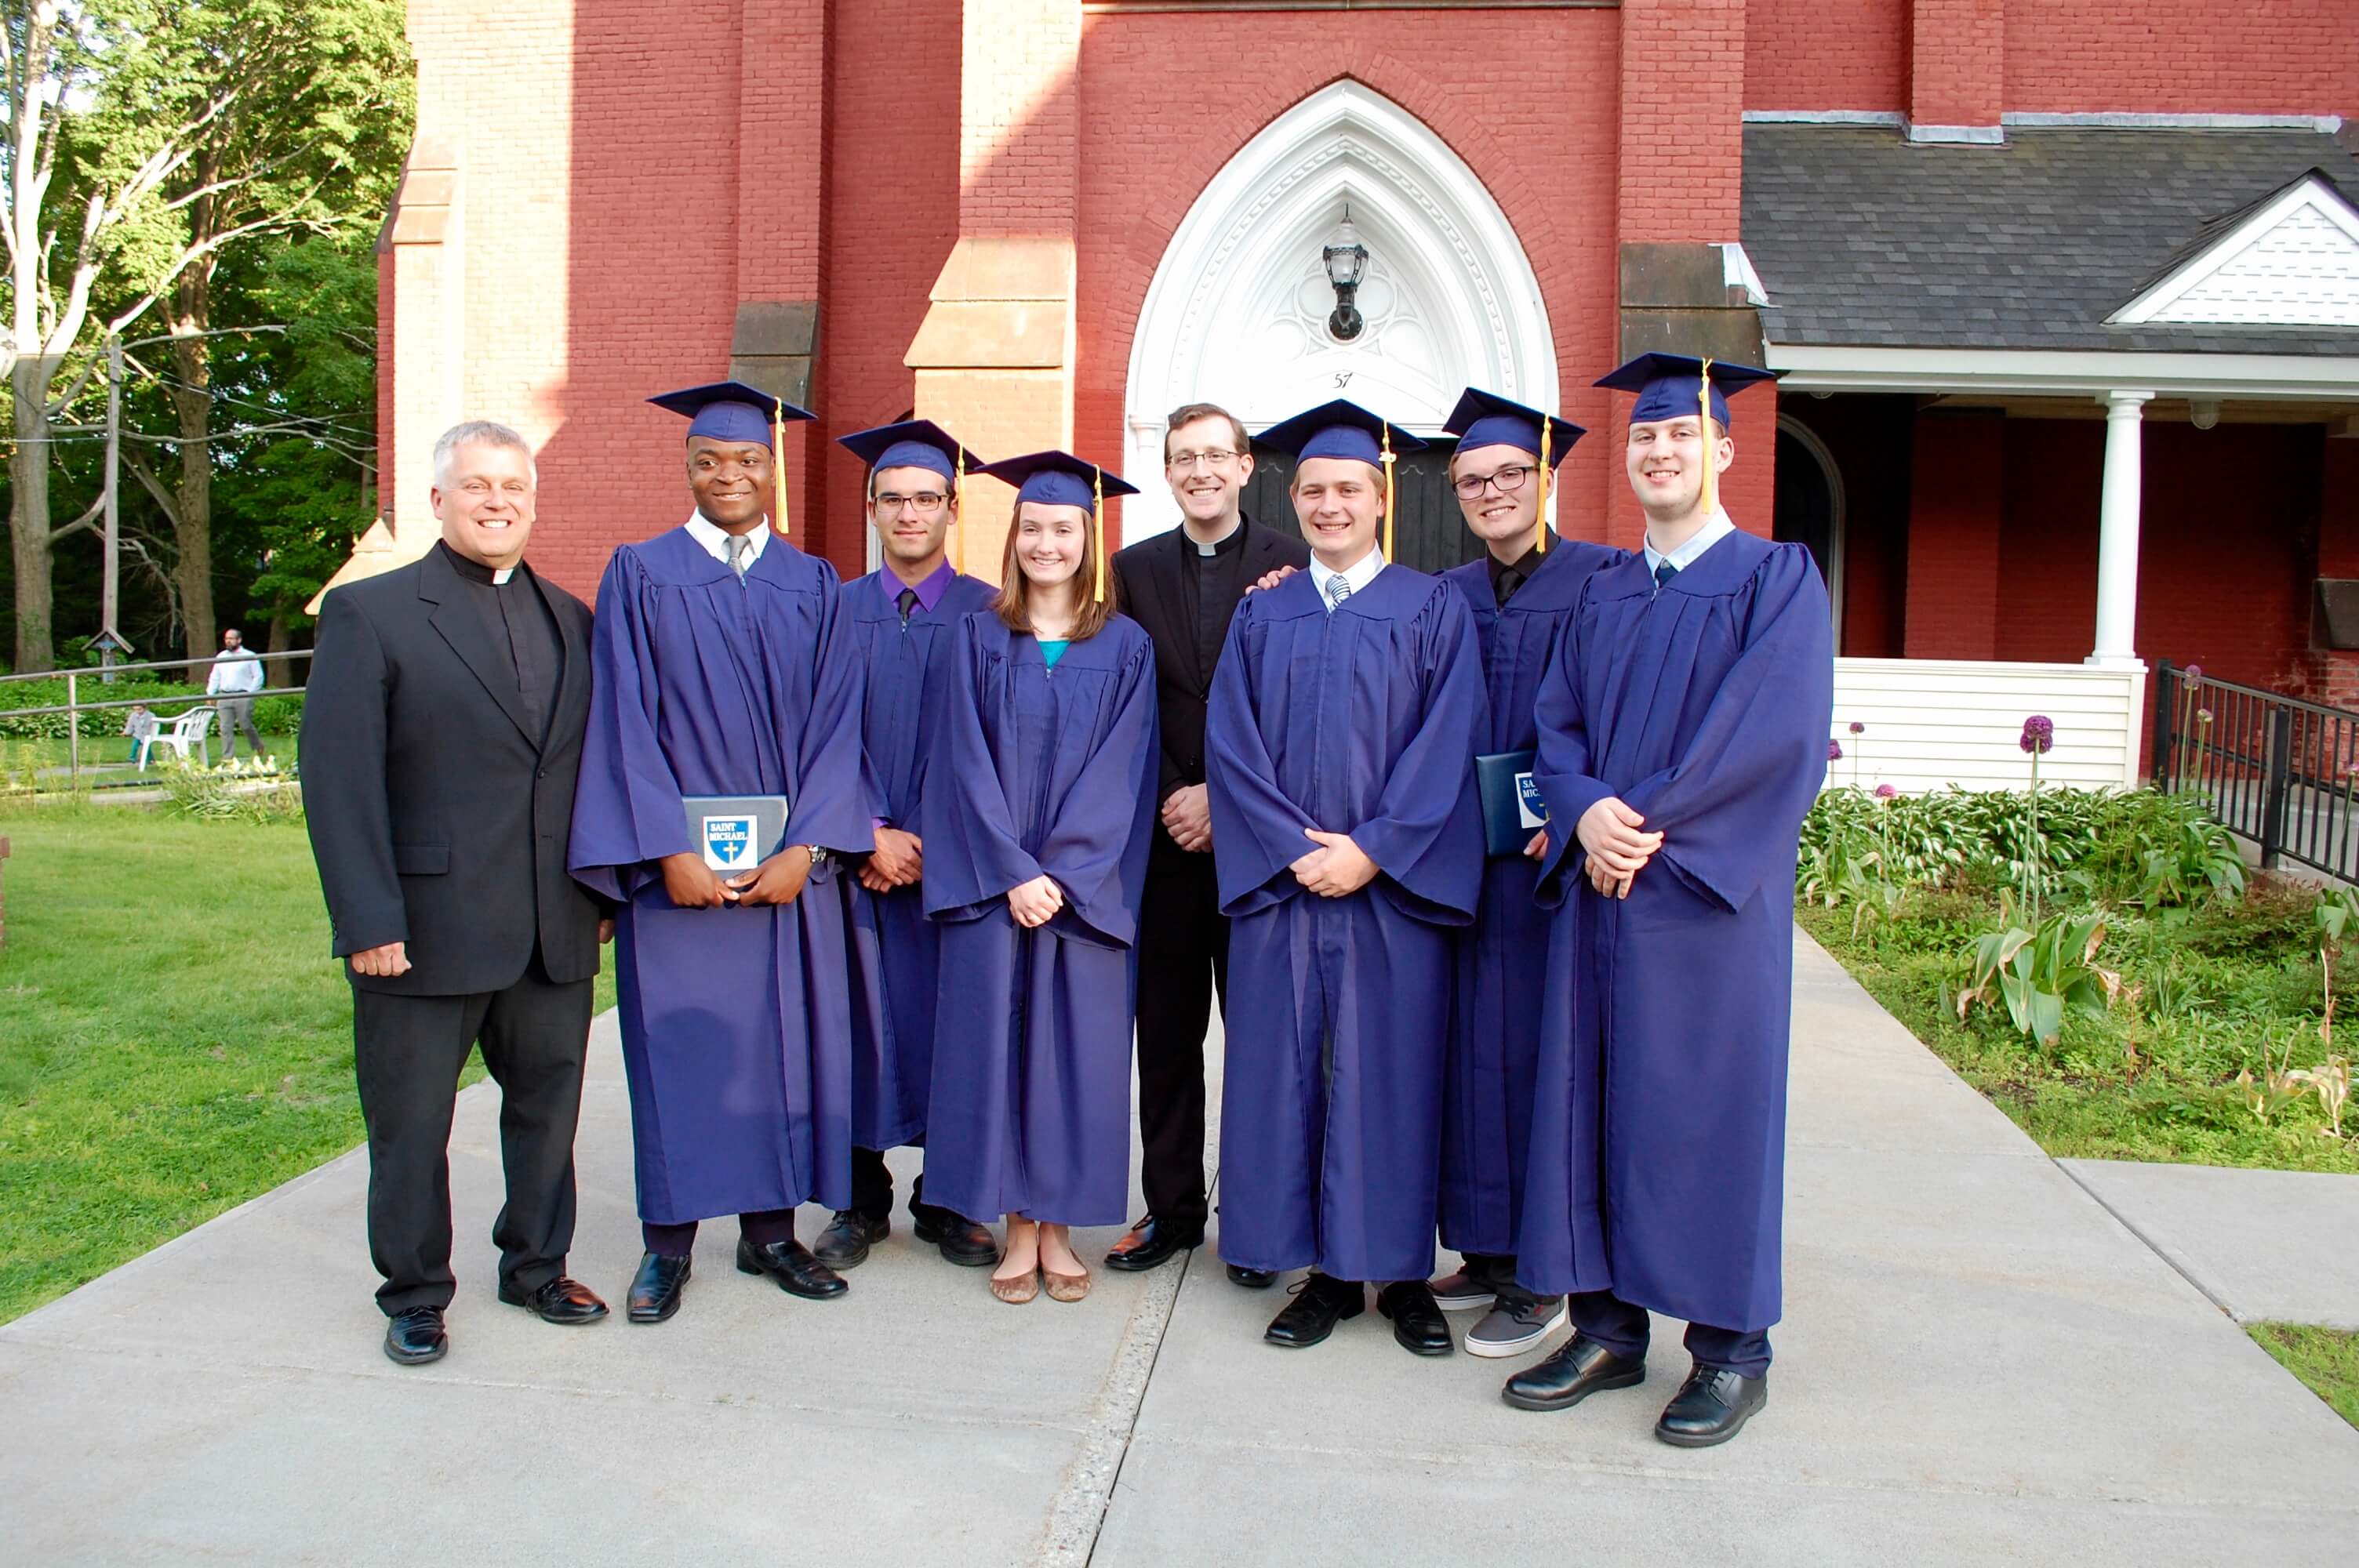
(1539, 528)
(1097, 485)
(959, 521)
(779, 460)
(1388, 433)
(1709, 495)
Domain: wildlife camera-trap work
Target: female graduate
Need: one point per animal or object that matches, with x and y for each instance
(1036, 826)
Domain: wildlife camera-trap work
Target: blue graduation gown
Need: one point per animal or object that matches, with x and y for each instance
(1363, 721)
(896, 950)
(1657, 1152)
(1037, 771)
(1495, 1017)
(736, 1028)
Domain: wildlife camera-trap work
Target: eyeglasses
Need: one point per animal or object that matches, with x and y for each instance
(889, 501)
(1506, 479)
(1211, 458)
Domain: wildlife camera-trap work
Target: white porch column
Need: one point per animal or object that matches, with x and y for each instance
(2117, 532)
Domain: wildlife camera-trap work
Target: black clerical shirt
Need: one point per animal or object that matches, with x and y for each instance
(1211, 580)
(520, 620)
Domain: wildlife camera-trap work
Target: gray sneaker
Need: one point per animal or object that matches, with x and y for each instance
(1463, 1292)
(1516, 1323)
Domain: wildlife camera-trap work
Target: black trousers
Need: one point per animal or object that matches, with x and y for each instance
(871, 1188)
(1623, 1329)
(407, 1051)
(1184, 965)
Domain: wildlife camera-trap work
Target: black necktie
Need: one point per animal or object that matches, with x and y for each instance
(1509, 580)
(1664, 572)
(908, 600)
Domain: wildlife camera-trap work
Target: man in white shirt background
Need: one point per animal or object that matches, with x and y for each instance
(236, 676)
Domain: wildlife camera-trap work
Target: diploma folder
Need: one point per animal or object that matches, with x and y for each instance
(737, 832)
(1512, 808)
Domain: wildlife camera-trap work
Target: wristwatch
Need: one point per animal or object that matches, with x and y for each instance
(817, 853)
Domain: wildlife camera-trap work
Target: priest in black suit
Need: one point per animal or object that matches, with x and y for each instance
(442, 733)
(1183, 586)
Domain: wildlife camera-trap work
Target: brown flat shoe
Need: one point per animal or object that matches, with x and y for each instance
(1018, 1291)
(1066, 1287)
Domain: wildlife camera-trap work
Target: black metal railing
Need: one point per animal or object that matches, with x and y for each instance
(2276, 770)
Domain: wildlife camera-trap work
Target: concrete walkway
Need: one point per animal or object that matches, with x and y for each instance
(1980, 1364)
(2263, 1244)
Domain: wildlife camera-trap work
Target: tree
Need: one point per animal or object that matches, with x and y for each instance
(191, 128)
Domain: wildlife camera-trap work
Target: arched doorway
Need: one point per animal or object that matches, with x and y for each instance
(1809, 510)
(1237, 311)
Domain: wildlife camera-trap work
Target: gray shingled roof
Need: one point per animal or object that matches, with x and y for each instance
(1862, 238)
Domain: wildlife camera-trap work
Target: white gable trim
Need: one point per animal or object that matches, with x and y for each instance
(2303, 297)
(2320, 378)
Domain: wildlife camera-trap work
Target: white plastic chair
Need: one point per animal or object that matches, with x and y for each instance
(189, 730)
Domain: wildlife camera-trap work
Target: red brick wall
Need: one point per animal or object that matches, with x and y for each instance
(1956, 585)
(1825, 54)
(2227, 545)
(892, 195)
(1166, 99)
(2183, 56)
(1957, 61)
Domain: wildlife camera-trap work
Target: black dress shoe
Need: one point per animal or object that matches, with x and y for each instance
(844, 1243)
(1711, 1407)
(560, 1301)
(1152, 1242)
(657, 1288)
(1319, 1305)
(962, 1241)
(1578, 1369)
(790, 1264)
(414, 1337)
(1418, 1326)
(1251, 1278)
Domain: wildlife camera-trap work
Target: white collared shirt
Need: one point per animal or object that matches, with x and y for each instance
(1716, 528)
(715, 539)
(1358, 576)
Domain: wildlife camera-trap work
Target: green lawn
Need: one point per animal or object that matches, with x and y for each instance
(2327, 1359)
(174, 1040)
(2155, 1078)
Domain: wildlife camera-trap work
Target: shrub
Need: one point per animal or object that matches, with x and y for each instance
(167, 700)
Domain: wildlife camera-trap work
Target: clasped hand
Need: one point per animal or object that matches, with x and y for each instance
(898, 862)
(689, 883)
(1337, 867)
(1036, 902)
(1188, 818)
(1618, 847)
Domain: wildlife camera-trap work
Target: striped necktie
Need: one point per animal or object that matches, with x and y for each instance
(740, 547)
(1338, 590)
(1663, 572)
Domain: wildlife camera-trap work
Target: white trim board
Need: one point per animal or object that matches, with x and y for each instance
(2292, 262)
(2065, 371)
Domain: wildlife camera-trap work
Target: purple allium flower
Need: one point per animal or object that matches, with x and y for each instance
(1857, 728)
(1885, 792)
(1834, 751)
(2039, 733)
(2194, 675)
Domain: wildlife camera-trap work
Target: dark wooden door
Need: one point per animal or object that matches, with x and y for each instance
(1429, 533)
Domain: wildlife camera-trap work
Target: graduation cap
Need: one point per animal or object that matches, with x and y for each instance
(1060, 478)
(917, 444)
(1486, 419)
(1670, 386)
(732, 411)
(1344, 429)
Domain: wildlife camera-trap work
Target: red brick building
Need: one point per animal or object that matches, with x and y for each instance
(1992, 241)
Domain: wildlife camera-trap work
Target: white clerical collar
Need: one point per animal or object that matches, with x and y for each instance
(1715, 528)
(502, 574)
(715, 539)
(1357, 576)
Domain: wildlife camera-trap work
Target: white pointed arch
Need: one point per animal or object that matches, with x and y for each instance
(1236, 312)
